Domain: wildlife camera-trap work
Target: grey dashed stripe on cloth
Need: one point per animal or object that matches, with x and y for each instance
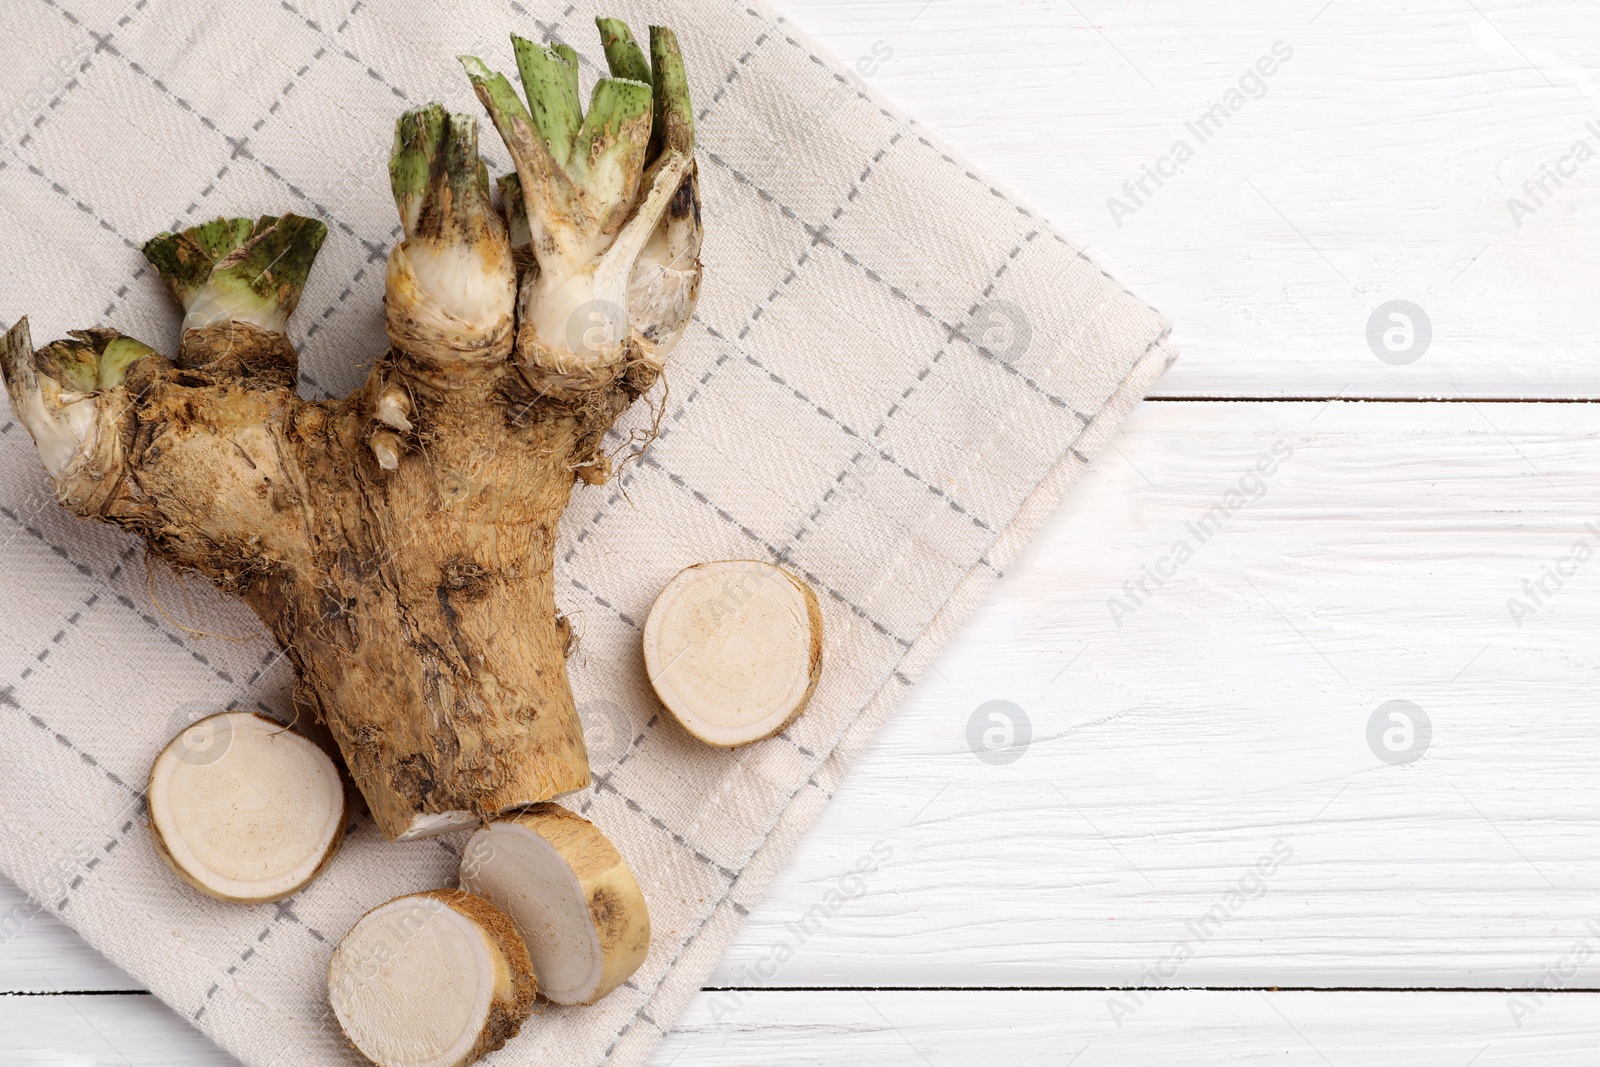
(283, 912)
(638, 738)
(678, 480)
(238, 146)
(866, 172)
(102, 43)
(816, 580)
(726, 899)
(602, 783)
(546, 30)
(61, 190)
(898, 675)
(55, 102)
(132, 810)
(95, 860)
(756, 313)
(376, 253)
(604, 603)
(641, 736)
(666, 431)
(266, 661)
(783, 554)
(121, 599)
(348, 53)
(60, 635)
(733, 72)
(883, 454)
(8, 698)
(818, 236)
(843, 79)
(695, 392)
(1024, 212)
(176, 224)
(776, 20)
(143, 269)
(195, 654)
(953, 330)
(634, 625)
(38, 534)
(1085, 420)
(244, 957)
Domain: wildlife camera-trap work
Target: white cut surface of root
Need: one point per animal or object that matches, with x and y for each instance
(245, 809)
(432, 824)
(570, 892)
(433, 979)
(734, 649)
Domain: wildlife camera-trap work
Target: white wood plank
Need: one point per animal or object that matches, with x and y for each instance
(1229, 714)
(1175, 1027)
(1378, 166)
(103, 1031)
(945, 1029)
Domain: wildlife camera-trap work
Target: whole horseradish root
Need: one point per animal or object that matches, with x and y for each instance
(399, 542)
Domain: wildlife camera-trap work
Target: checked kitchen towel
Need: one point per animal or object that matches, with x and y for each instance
(894, 373)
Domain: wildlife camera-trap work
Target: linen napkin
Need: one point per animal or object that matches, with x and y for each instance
(894, 372)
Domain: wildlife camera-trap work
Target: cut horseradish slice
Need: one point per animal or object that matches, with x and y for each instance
(734, 649)
(245, 809)
(434, 979)
(571, 894)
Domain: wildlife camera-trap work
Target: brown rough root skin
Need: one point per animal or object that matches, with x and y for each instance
(417, 604)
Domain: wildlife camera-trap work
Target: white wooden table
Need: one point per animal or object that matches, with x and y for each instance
(1208, 853)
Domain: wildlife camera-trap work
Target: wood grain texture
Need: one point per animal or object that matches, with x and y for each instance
(815, 1028)
(1377, 166)
(1036, 1029)
(90, 1031)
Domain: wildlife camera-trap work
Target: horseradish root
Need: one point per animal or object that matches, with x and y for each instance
(571, 894)
(244, 809)
(734, 649)
(432, 979)
(399, 542)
